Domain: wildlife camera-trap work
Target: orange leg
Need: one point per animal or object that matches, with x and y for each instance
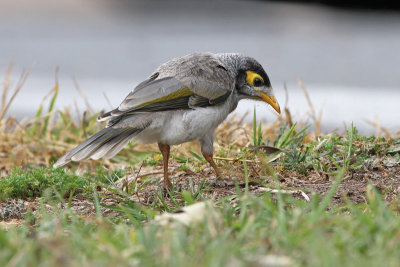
(210, 160)
(165, 152)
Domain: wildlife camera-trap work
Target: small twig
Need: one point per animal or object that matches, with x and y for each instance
(283, 191)
(250, 161)
(150, 173)
(232, 159)
(321, 143)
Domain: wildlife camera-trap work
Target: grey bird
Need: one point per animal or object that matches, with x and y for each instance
(184, 100)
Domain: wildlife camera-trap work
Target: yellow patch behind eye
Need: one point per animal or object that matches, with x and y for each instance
(251, 75)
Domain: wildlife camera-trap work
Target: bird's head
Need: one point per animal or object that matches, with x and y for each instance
(252, 81)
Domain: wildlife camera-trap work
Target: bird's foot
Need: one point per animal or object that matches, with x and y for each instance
(170, 190)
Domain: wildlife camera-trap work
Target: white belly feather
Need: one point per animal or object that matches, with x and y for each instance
(179, 126)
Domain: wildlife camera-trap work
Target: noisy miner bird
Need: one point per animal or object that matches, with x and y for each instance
(184, 100)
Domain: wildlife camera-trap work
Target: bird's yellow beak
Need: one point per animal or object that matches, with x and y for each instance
(270, 99)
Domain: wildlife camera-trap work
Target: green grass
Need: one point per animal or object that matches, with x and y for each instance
(248, 227)
(33, 183)
(350, 235)
(331, 152)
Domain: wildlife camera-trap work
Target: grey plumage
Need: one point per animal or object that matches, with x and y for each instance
(185, 99)
(105, 143)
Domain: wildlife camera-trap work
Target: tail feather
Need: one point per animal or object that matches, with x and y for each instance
(113, 150)
(99, 145)
(110, 145)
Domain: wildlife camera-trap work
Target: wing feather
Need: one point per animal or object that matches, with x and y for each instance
(155, 91)
(187, 82)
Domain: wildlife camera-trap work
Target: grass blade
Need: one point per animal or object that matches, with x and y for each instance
(254, 127)
(52, 103)
(246, 177)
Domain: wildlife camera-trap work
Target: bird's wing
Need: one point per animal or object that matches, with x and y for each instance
(156, 91)
(167, 93)
(168, 90)
(180, 84)
(171, 93)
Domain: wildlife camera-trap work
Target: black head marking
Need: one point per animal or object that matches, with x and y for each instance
(252, 65)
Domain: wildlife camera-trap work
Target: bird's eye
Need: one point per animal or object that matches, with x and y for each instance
(257, 82)
(254, 78)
